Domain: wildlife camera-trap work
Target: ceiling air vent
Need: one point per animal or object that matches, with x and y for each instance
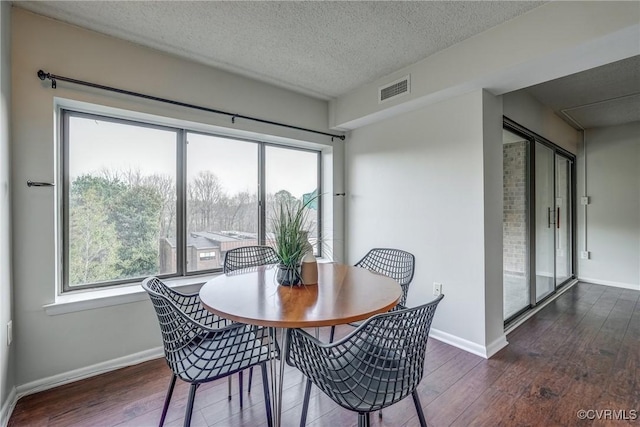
(395, 89)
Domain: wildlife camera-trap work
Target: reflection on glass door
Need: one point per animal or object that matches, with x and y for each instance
(515, 256)
(545, 221)
(563, 217)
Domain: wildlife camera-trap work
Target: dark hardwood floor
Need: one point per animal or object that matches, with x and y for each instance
(581, 352)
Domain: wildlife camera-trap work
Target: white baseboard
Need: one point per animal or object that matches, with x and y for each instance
(469, 346)
(7, 407)
(497, 345)
(610, 283)
(87, 372)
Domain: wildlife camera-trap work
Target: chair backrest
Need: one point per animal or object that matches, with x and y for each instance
(395, 263)
(249, 256)
(183, 336)
(189, 304)
(178, 330)
(380, 363)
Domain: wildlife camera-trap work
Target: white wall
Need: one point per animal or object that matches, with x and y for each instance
(492, 157)
(417, 182)
(7, 361)
(49, 346)
(613, 217)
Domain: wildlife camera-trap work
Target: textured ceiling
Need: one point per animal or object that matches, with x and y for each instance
(326, 48)
(323, 49)
(604, 96)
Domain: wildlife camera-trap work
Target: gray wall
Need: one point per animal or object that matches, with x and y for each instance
(7, 369)
(86, 340)
(613, 217)
(422, 182)
(527, 111)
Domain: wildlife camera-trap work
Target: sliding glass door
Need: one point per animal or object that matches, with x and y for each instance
(537, 221)
(544, 217)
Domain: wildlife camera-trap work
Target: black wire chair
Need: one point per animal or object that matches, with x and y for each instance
(395, 263)
(246, 257)
(199, 346)
(375, 366)
(249, 256)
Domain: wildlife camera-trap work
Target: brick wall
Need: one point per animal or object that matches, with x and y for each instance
(515, 208)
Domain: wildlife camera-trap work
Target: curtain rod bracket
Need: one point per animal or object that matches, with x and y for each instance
(42, 75)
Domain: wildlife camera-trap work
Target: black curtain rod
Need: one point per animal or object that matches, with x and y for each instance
(42, 75)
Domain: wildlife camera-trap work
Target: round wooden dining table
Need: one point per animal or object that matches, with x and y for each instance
(343, 294)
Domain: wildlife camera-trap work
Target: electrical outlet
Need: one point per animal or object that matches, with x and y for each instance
(437, 289)
(584, 200)
(9, 332)
(585, 254)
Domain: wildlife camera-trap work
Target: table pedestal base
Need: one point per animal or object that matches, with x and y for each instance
(276, 369)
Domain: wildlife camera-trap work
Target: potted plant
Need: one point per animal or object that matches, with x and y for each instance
(291, 239)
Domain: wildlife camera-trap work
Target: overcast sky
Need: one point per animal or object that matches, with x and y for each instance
(97, 145)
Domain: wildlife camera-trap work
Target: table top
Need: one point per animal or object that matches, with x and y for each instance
(343, 294)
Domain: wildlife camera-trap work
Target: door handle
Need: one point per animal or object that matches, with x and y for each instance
(39, 184)
(558, 218)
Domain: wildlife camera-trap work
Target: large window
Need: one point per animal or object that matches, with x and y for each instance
(142, 199)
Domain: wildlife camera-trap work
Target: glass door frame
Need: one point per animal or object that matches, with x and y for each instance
(532, 139)
(571, 205)
(537, 234)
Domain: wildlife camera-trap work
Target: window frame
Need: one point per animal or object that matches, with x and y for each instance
(181, 130)
(263, 197)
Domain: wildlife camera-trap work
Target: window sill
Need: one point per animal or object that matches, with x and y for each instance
(88, 300)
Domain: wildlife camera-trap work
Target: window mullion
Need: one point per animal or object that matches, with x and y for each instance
(181, 203)
(319, 204)
(262, 195)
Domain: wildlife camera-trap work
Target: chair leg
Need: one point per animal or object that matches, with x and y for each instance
(240, 387)
(363, 419)
(265, 387)
(305, 404)
(167, 399)
(229, 382)
(250, 378)
(416, 401)
(189, 410)
(333, 331)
